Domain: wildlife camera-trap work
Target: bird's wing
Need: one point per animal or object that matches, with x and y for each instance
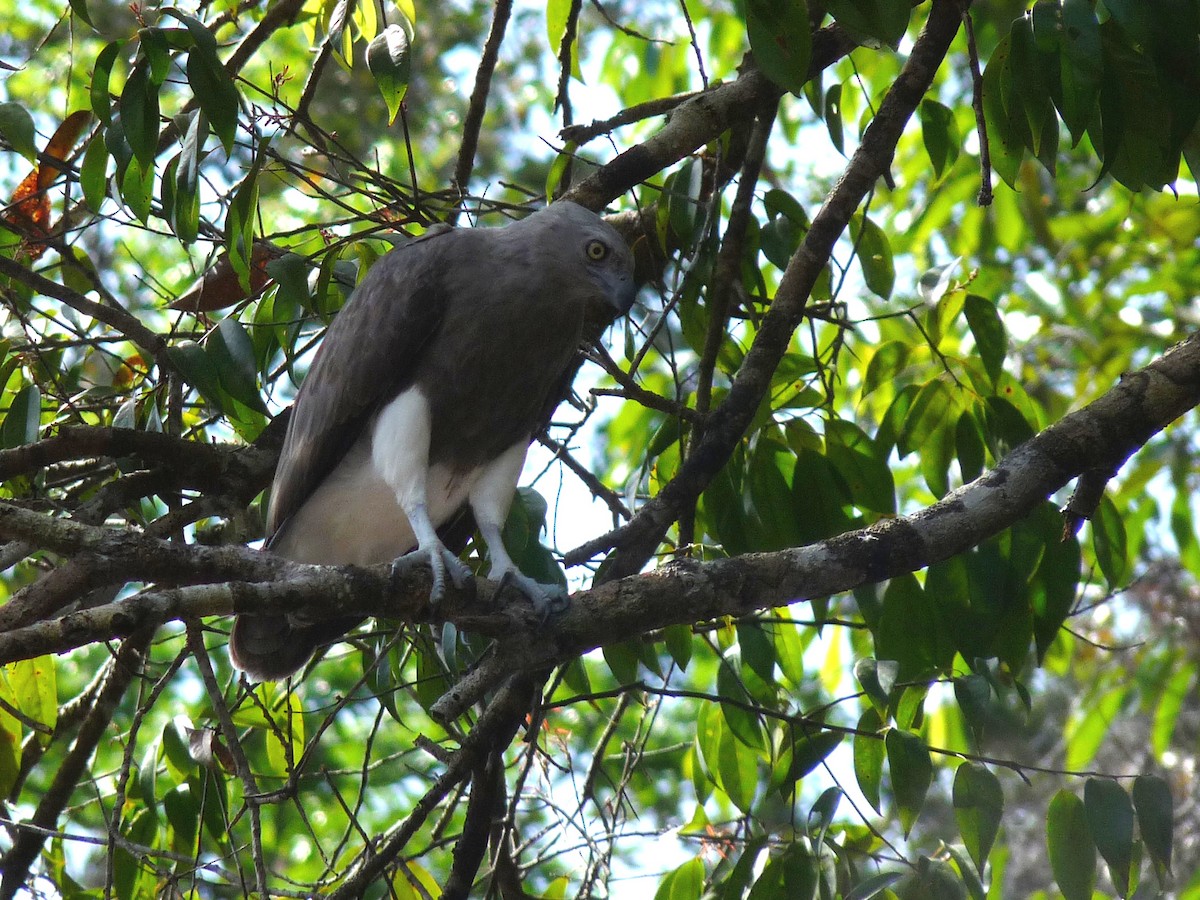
(369, 354)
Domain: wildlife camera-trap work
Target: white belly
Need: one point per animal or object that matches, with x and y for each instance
(354, 517)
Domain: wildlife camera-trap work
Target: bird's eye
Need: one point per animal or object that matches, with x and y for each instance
(597, 250)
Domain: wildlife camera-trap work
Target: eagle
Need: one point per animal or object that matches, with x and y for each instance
(422, 400)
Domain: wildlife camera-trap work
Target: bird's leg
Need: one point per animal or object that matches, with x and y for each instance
(546, 598)
(490, 500)
(400, 454)
(430, 550)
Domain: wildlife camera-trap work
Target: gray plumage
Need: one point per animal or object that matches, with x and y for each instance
(423, 397)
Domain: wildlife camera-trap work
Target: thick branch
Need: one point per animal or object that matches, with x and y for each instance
(696, 122)
(1099, 436)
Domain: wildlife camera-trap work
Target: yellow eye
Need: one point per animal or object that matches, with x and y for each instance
(597, 250)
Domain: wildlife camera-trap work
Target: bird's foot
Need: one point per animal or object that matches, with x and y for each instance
(547, 599)
(441, 561)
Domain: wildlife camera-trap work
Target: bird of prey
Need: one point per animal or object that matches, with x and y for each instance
(423, 397)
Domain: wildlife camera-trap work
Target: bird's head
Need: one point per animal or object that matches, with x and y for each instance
(594, 247)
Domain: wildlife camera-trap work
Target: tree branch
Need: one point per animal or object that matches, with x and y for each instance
(1099, 437)
(636, 541)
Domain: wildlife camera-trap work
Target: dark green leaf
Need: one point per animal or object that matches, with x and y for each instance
(912, 771)
(1109, 542)
(940, 134)
(833, 116)
(1081, 64)
(781, 39)
(79, 7)
(1072, 853)
(1156, 819)
(93, 175)
(137, 189)
(911, 630)
(23, 418)
(991, 342)
(1006, 140)
(874, 255)
(16, 127)
(101, 75)
(623, 660)
(211, 84)
(190, 360)
(678, 639)
(888, 361)
(737, 706)
(862, 465)
(802, 751)
(868, 756)
(883, 20)
(874, 885)
(968, 444)
(877, 678)
(978, 808)
(1110, 821)
(139, 116)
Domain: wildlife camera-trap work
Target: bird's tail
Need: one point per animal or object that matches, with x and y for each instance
(270, 648)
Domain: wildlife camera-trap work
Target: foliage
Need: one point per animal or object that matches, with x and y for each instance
(193, 192)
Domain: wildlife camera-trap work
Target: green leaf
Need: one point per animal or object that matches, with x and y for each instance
(232, 354)
(623, 660)
(874, 255)
(1156, 819)
(93, 174)
(874, 885)
(737, 706)
(912, 771)
(1081, 65)
(991, 342)
(139, 116)
(137, 188)
(16, 127)
(802, 750)
(877, 678)
(390, 63)
(911, 630)
(34, 684)
(869, 754)
(978, 808)
(79, 7)
(558, 169)
(211, 84)
(1110, 543)
(887, 362)
(939, 131)
(1006, 140)
(23, 419)
(101, 75)
(781, 40)
(833, 117)
(1110, 821)
(196, 367)
(862, 465)
(683, 883)
(1072, 853)
(884, 20)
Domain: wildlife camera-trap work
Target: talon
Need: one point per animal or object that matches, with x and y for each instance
(441, 563)
(547, 599)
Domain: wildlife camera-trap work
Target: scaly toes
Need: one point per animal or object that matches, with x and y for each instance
(441, 562)
(547, 599)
